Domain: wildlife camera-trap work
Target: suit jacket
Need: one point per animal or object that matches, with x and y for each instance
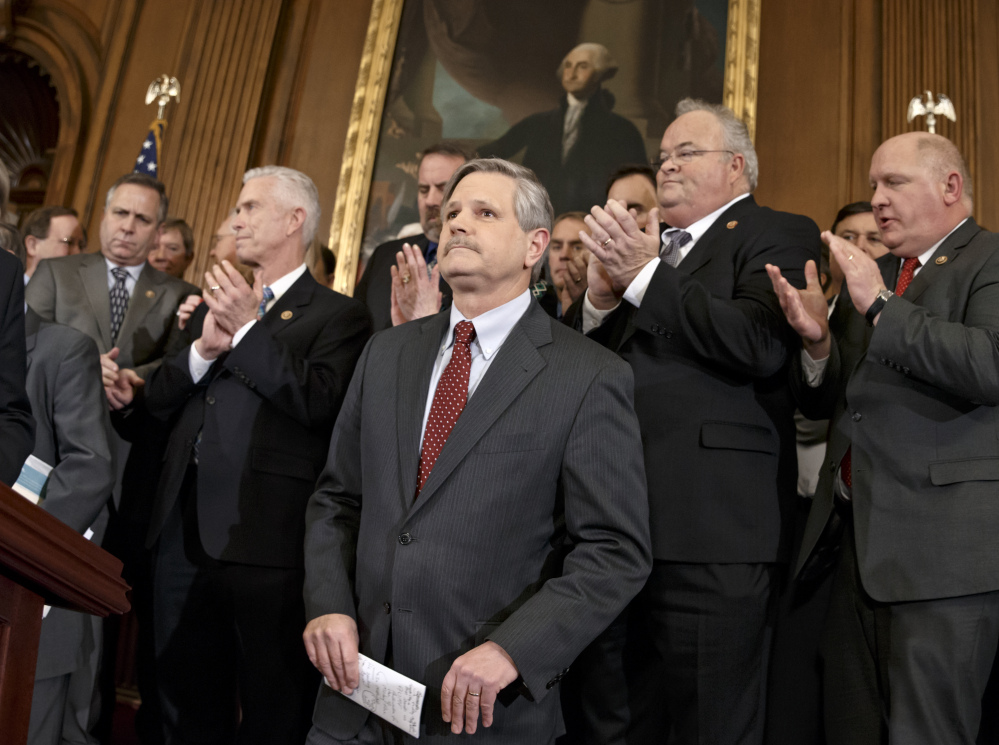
(17, 428)
(918, 396)
(375, 287)
(606, 142)
(709, 348)
(531, 530)
(73, 290)
(72, 435)
(265, 412)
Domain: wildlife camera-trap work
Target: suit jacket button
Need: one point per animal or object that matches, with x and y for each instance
(857, 416)
(550, 684)
(388, 606)
(669, 334)
(210, 400)
(905, 370)
(405, 539)
(655, 328)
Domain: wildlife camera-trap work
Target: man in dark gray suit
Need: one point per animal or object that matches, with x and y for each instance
(481, 562)
(912, 387)
(72, 436)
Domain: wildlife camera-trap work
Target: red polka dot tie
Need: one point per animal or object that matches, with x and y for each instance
(449, 401)
(904, 278)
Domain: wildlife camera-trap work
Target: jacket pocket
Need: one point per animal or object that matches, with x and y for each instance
(732, 436)
(943, 472)
(283, 464)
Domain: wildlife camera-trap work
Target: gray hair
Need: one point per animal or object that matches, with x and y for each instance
(146, 182)
(603, 60)
(531, 205)
(735, 135)
(295, 189)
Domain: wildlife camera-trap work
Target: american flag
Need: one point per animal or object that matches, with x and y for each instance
(148, 161)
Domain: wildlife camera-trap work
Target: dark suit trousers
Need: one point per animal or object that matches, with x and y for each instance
(222, 628)
(712, 625)
(907, 673)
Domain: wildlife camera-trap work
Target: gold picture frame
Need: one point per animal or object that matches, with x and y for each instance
(346, 232)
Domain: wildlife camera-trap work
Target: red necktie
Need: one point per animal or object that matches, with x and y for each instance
(904, 278)
(449, 401)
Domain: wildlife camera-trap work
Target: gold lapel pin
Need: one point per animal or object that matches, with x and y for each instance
(941, 259)
(150, 294)
(286, 315)
(732, 224)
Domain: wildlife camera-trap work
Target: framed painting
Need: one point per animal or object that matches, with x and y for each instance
(482, 74)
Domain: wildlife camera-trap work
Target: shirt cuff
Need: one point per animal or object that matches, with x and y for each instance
(814, 371)
(238, 336)
(636, 290)
(197, 365)
(592, 316)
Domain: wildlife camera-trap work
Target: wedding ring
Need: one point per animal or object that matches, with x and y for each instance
(405, 279)
(609, 240)
(214, 288)
(850, 257)
(473, 694)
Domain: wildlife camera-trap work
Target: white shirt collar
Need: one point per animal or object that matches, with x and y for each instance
(928, 253)
(700, 227)
(575, 102)
(133, 271)
(280, 286)
(493, 326)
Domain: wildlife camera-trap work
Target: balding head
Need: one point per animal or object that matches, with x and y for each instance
(921, 191)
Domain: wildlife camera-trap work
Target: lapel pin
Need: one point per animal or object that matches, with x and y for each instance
(150, 294)
(286, 315)
(732, 224)
(941, 259)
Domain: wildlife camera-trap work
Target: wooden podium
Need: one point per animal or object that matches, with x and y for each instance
(42, 562)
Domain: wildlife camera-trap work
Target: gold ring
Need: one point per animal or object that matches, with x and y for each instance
(473, 694)
(609, 240)
(405, 279)
(214, 288)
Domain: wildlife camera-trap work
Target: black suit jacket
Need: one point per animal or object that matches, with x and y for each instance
(17, 428)
(375, 287)
(709, 348)
(265, 412)
(918, 397)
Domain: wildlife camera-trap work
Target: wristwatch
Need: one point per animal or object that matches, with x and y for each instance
(877, 305)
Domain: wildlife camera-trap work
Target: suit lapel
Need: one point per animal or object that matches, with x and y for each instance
(289, 308)
(32, 322)
(93, 275)
(941, 260)
(516, 365)
(146, 293)
(416, 367)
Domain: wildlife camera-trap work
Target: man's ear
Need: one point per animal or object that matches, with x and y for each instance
(30, 244)
(296, 219)
(539, 238)
(953, 188)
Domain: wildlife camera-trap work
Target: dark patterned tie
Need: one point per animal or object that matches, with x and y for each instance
(904, 279)
(671, 251)
(119, 301)
(268, 296)
(449, 401)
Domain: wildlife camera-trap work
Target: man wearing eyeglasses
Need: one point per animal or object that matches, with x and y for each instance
(51, 232)
(688, 304)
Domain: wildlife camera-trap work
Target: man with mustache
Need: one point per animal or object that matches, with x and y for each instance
(473, 550)
(437, 163)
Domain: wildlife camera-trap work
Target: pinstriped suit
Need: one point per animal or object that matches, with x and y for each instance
(531, 531)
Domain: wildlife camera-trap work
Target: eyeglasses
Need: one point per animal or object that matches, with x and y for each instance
(73, 242)
(683, 157)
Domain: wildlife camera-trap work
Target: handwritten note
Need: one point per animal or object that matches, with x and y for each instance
(390, 695)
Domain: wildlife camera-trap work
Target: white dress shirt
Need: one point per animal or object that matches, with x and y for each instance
(130, 280)
(592, 317)
(491, 330)
(198, 365)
